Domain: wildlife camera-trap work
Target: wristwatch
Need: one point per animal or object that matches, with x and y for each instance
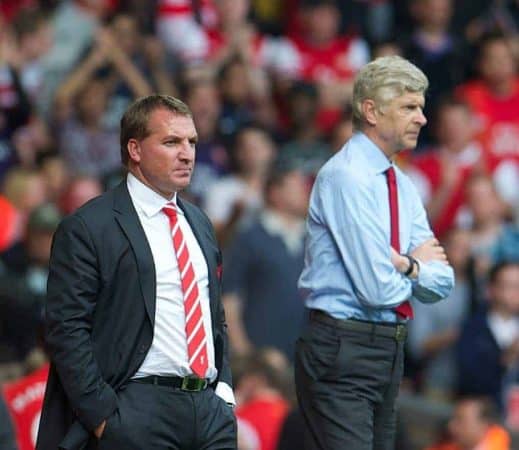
(412, 263)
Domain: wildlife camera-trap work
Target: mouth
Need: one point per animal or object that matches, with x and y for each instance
(183, 171)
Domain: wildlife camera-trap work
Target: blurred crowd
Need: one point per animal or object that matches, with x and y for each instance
(269, 84)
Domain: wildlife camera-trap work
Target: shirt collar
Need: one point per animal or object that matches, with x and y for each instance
(146, 198)
(292, 237)
(377, 161)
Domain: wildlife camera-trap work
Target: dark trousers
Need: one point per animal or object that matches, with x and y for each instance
(151, 417)
(347, 378)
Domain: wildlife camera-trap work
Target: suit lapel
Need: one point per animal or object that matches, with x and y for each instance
(128, 219)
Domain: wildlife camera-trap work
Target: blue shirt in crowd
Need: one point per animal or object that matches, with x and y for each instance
(348, 271)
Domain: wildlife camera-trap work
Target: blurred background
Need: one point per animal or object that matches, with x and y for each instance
(269, 83)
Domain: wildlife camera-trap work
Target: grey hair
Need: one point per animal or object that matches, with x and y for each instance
(384, 79)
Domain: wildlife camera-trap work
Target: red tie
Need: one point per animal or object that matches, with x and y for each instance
(405, 309)
(195, 332)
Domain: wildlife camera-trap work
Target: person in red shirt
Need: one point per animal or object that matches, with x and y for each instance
(24, 400)
(494, 97)
(440, 174)
(212, 32)
(262, 407)
(319, 54)
(473, 426)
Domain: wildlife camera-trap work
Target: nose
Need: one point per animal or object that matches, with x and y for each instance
(421, 119)
(187, 154)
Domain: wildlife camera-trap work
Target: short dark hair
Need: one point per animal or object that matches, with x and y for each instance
(134, 123)
(259, 363)
(279, 171)
(487, 407)
(27, 21)
(446, 102)
(497, 268)
(488, 38)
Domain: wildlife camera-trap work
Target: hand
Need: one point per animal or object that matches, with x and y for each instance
(106, 43)
(400, 262)
(100, 430)
(153, 52)
(430, 250)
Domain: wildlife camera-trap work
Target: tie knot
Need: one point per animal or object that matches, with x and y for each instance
(170, 210)
(390, 173)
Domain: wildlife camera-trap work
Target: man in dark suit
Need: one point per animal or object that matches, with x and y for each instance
(135, 326)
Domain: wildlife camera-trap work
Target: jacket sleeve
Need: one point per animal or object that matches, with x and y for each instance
(72, 290)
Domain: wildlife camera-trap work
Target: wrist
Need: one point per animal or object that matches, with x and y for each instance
(403, 264)
(413, 267)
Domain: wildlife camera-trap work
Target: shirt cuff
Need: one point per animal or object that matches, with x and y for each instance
(425, 275)
(224, 391)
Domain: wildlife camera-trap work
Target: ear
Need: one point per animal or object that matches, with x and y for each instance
(369, 111)
(134, 150)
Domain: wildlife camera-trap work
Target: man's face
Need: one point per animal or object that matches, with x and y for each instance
(497, 64)
(165, 159)
(455, 127)
(293, 194)
(398, 123)
(505, 290)
(205, 106)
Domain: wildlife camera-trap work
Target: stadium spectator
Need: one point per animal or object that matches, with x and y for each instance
(441, 173)
(25, 190)
(320, 54)
(305, 148)
(54, 171)
(494, 97)
(234, 200)
(435, 50)
(33, 36)
(474, 425)
(435, 329)
(262, 406)
(23, 286)
(222, 31)
(246, 98)
(212, 159)
(489, 341)
(15, 108)
(486, 214)
(24, 398)
(74, 26)
(79, 190)
(88, 145)
(261, 267)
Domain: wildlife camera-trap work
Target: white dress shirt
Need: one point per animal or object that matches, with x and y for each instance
(167, 355)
